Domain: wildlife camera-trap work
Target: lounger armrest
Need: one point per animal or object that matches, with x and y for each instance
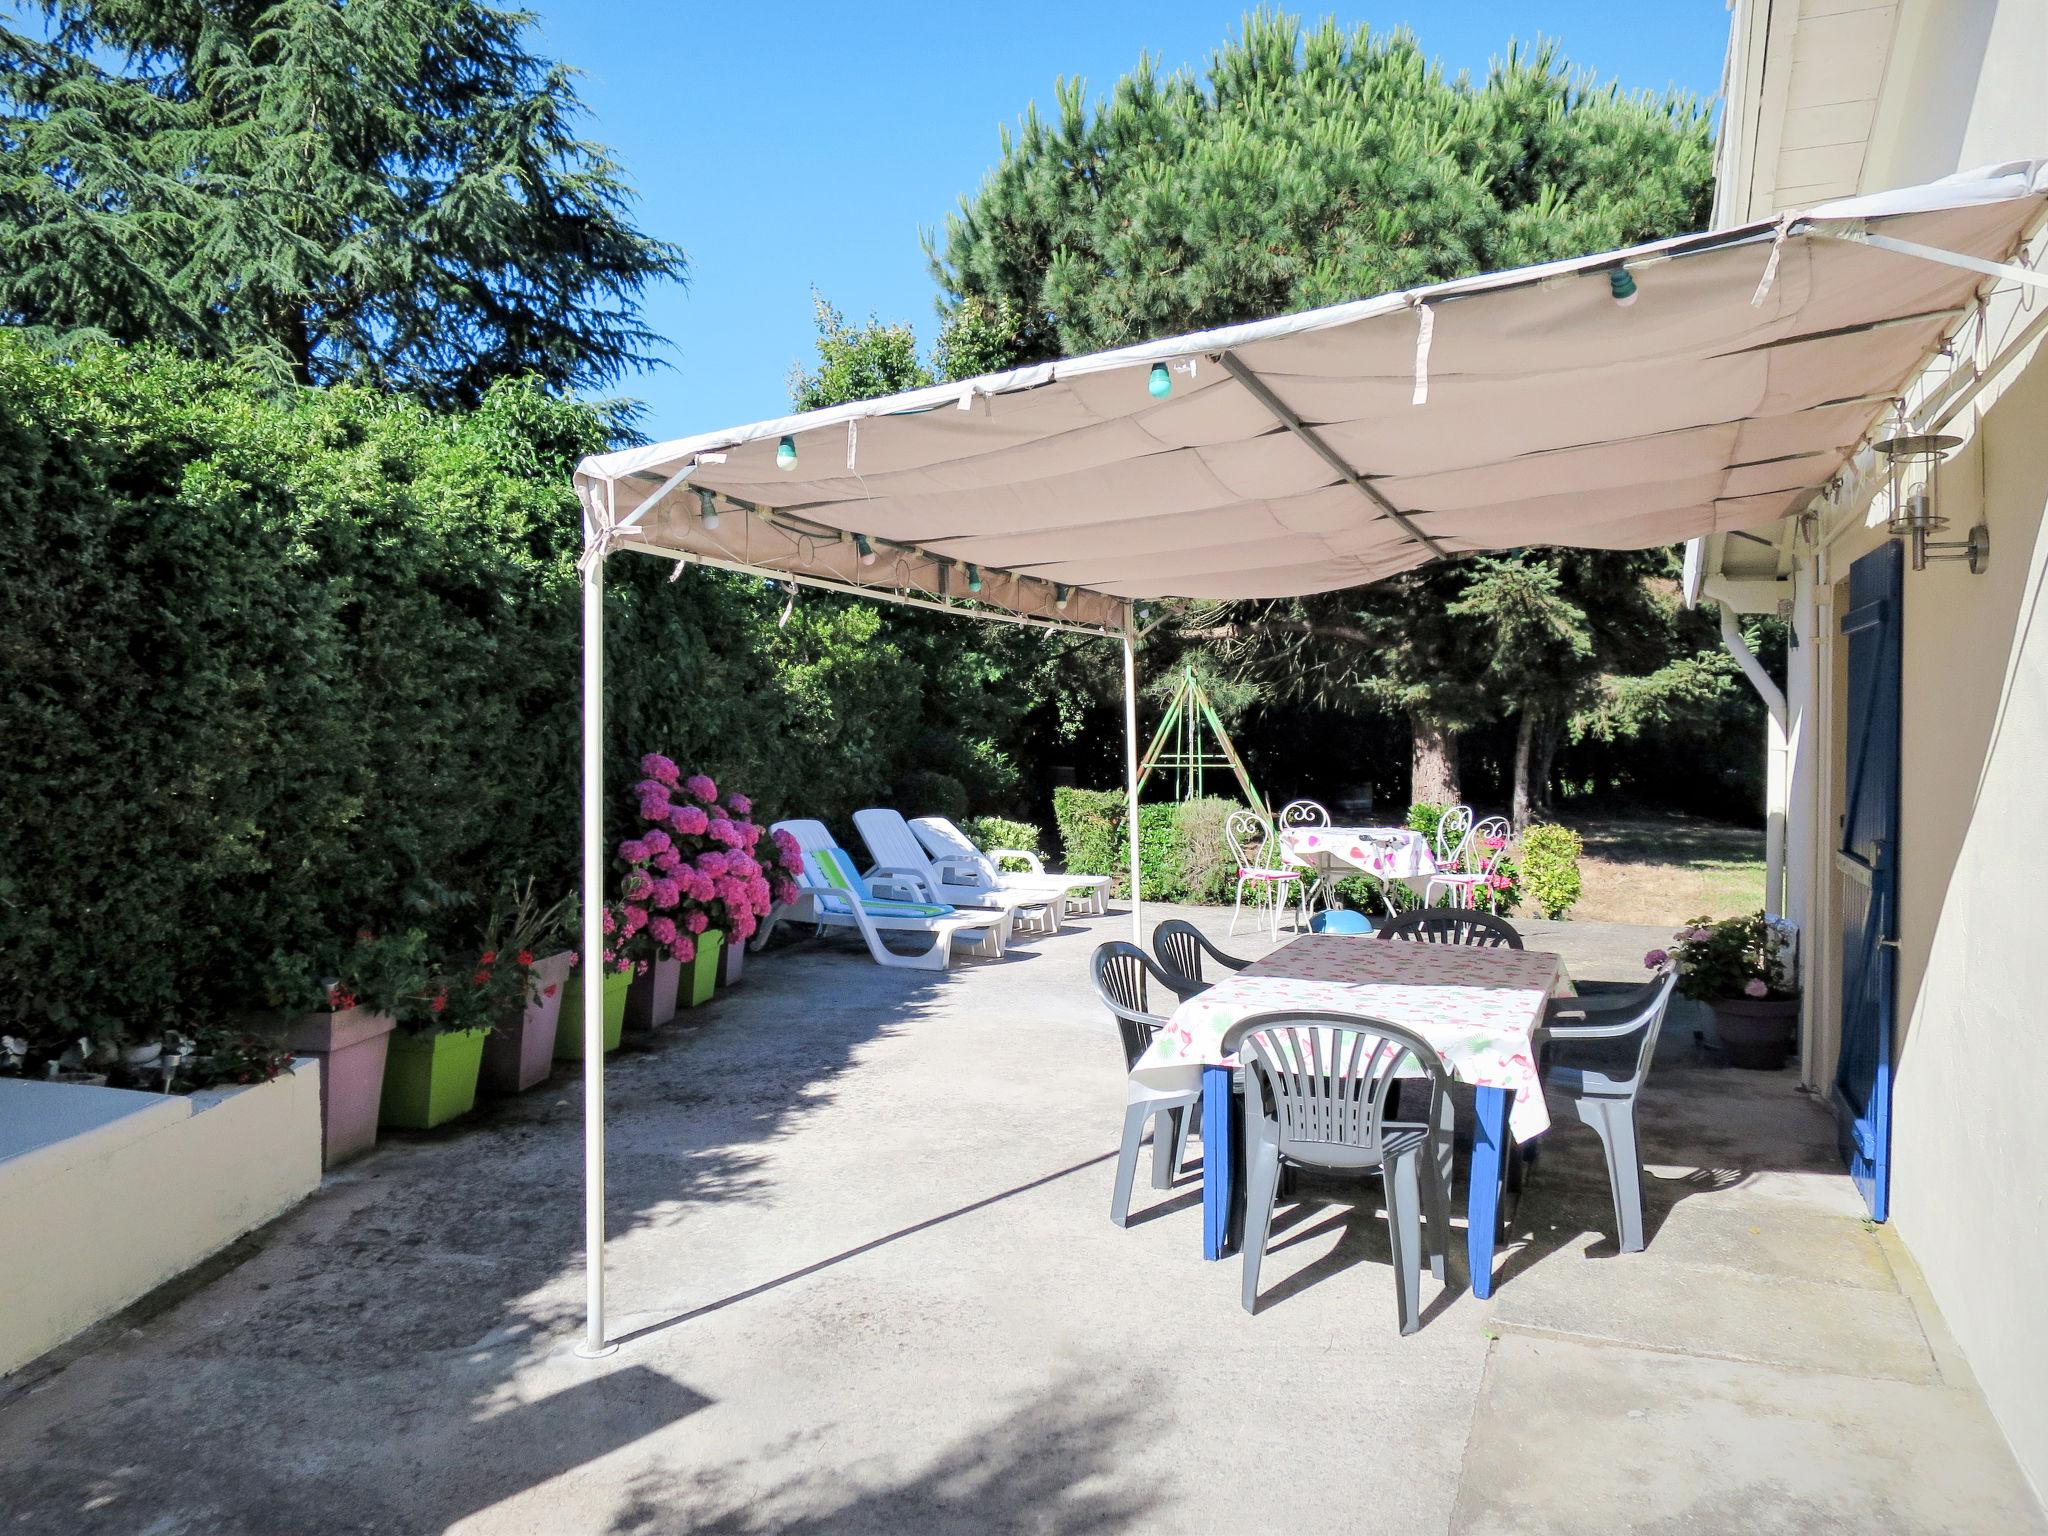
(1032, 862)
(912, 880)
(960, 869)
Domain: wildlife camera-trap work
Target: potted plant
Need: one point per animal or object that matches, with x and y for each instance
(436, 1053)
(618, 978)
(1737, 968)
(351, 1036)
(690, 884)
(521, 1046)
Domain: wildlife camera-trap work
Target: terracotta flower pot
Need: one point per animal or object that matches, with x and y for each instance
(522, 1049)
(700, 976)
(430, 1079)
(351, 1045)
(1756, 1032)
(651, 999)
(569, 1023)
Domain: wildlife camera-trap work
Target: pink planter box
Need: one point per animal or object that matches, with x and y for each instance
(520, 1054)
(351, 1046)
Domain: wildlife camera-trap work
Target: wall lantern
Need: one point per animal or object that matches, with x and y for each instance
(1913, 457)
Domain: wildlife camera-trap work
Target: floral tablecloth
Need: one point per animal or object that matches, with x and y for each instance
(1478, 1007)
(1388, 853)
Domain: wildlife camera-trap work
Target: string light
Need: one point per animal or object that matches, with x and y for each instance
(1160, 384)
(785, 454)
(974, 578)
(1060, 595)
(1622, 284)
(707, 509)
(867, 550)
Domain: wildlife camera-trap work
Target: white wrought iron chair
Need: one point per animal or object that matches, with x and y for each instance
(1483, 849)
(1255, 848)
(1452, 830)
(1309, 813)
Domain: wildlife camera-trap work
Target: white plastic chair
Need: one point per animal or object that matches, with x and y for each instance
(833, 894)
(1309, 813)
(1251, 843)
(1482, 849)
(897, 851)
(958, 860)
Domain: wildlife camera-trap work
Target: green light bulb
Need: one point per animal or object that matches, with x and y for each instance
(973, 578)
(1622, 284)
(1160, 383)
(785, 454)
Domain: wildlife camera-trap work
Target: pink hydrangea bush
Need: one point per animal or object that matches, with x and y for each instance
(699, 863)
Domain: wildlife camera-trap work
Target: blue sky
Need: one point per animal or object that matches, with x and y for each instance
(792, 146)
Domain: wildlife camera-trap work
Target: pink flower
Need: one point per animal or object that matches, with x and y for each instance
(696, 922)
(711, 862)
(684, 948)
(611, 922)
(1755, 987)
(701, 788)
(723, 831)
(657, 841)
(689, 820)
(636, 887)
(633, 851)
(651, 789)
(739, 804)
(668, 863)
(739, 864)
(742, 927)
(785, 893)
(1655, 958)
(750, 833)
(662, 930)
(667, 891)
(636, 919)
(657, 767)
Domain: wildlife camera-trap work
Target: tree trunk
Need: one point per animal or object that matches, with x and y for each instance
(1524, 804)
(1433, 763)
(1543, 755)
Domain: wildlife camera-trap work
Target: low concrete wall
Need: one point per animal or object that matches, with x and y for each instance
(107, 1193)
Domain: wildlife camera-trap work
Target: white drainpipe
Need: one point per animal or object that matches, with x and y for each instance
(1777, 760)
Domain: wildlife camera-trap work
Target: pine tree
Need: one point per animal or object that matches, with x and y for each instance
(384, 190)
(1307, 167)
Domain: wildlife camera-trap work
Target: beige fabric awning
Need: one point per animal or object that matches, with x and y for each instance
(1331, 448)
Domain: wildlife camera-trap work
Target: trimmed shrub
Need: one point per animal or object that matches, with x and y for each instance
(1208, 874)
(1550, 868)
(1090, 824)
(987, 832)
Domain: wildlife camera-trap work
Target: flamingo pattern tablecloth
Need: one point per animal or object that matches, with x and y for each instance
(1478, 1007)
(1390, 853)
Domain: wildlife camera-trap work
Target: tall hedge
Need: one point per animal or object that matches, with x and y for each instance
(281, 667)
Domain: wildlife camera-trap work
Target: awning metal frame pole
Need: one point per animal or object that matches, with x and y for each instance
(594, 1343)
(1279, 410)
(2010, 271)
(1131, 776)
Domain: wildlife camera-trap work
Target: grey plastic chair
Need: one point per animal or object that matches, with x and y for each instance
(1596, 1053)
(1180, 946)
(1121, 972)
(1315, 1096)
(1452, 925)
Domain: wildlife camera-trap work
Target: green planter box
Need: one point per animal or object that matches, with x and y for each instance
(430, 1079)
(700, 976)
(569, 1024)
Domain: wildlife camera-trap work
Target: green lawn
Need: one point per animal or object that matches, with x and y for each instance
(1665, 869)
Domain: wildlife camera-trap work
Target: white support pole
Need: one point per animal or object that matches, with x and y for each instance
(1131, 779)
(593, 1344)
(1777, 757)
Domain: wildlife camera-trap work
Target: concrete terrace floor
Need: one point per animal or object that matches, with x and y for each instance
(865, 1280)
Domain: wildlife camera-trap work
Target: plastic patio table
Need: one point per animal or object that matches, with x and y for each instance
(1478, 1007)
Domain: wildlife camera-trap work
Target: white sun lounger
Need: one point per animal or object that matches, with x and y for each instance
(832, 893)
(897, 851)
(952, 850)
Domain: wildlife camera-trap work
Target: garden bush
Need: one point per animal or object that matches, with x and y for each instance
(1091, 828)
(923, 792)
(1550, 868)
(987, 832)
